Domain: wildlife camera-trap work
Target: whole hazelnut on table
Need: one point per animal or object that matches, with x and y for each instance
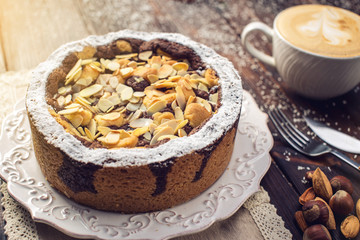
(316, 232)
(341, 183)
(315, 211)
(341, 203)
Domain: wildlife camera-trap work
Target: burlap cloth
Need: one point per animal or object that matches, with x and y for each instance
(19, 224)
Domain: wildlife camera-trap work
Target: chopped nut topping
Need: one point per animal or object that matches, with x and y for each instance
(134, 99)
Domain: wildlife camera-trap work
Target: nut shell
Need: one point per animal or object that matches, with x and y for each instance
(341, 203)
(316, 232)
(321, 185)
(341, 183)
(350, 227)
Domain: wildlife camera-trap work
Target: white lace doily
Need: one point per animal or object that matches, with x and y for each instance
(19, 224)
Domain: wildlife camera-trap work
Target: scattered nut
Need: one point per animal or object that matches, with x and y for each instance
(350, 227)
(315, 212)
(321, 185)
(317, 232)
(309, 175)
(196, 114)
(299, 217)
(341, 183)
(309, 194)
(331, 223)
(341, 203)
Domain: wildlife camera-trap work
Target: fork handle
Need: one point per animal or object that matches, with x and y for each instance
(346, 159)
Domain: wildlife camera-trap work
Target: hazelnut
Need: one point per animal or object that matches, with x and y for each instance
(315, 211)
(350, 227)
(341, 203)
(317, 232)
(341, 183)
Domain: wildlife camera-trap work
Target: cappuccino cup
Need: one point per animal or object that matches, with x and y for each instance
(316, 49)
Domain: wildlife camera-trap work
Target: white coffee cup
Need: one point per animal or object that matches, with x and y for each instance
(312, 73)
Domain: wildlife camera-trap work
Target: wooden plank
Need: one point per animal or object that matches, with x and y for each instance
(31, 30)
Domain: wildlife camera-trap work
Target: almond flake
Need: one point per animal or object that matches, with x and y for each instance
(136, 115)
(126, 72)
(62, 90)
(75, 68)
(180, 98)
(165, 71)
(81, 131)
(133, 106)
(113, 81)
(203, 87)
(84, 81)
(87, 61)
(181, 125)
(153, 78)
(92, 127)
(147, 136)
(141, 122)
(75, 119)
(144, 56)
(168, 123)
(126, 56)
(68, 99)
(140, 131)
(179, 113)
(214, 98)
(68, 111)
(114, 99)
(111, 116)
(61, 101)
(75, 76)
(181, 133)
(162, 132)
(97, 66)
(112, 138)
(156, 107)
(139, 94)
(104, 104)
(126, 93)
(89, 91)
(167, 136)
(113, 66)
(180, 66)
(134, 99)
(103, 130)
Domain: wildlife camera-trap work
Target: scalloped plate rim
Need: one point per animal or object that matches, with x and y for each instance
(250, 191)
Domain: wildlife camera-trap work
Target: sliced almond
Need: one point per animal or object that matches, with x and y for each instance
(180, 66)
(126, 72)
(181, 133)
(214, 98)
(68, 99)
(113, 81)
(81, 131)
(75, 119)
(153, 78)
(61, 101)
(167, 137)
(68, 111)
(147, 136)
(162, 132)
(136, 115)
(126, 56)
(113, 66)
(104, 104)
(133, 106)
(126, 93)
(165, 71)
(140, 131)
(144, 56)
(112, 138)
(180, 98)
(141, 122)
(181, 125)
(92, 127)
(139, 94)
(111, 116)
(89, 91)
(75, 68)
(157, 107)
(179, 114)
(203, 87)
(62, 90)
(103, 130)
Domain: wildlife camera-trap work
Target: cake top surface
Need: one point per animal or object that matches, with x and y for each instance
(213, 129)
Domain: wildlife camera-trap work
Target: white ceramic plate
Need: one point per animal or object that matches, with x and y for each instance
(250, 161)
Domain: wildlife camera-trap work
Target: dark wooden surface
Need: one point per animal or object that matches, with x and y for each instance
(31, 30)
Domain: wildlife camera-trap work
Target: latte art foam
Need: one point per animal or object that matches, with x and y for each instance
(324, 30)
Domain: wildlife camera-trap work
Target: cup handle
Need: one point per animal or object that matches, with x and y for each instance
(258, 26)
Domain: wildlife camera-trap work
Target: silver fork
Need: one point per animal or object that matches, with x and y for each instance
(301, 142)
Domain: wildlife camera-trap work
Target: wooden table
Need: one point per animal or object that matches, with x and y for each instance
(31, 30)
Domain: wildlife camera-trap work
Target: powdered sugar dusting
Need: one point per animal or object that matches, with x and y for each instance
(218, 124)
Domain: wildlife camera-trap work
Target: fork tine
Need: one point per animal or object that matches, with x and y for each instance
(279, 126)
(302, 137)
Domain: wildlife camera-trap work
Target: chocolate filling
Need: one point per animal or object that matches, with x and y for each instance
(78, 176)
(160, 171)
